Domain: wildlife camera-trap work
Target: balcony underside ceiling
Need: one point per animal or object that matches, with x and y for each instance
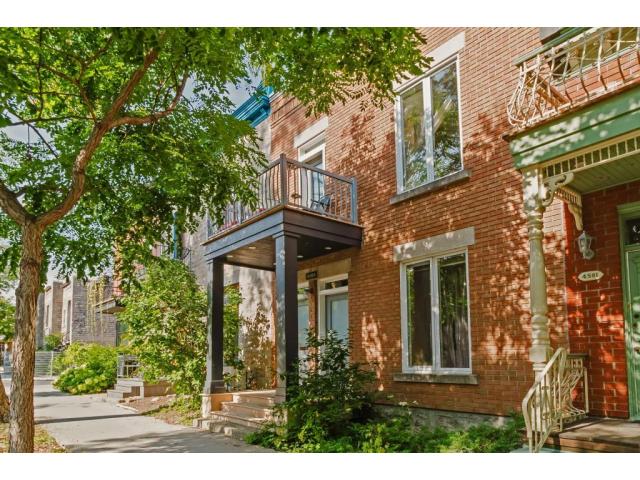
(252, 245)
(604, 176)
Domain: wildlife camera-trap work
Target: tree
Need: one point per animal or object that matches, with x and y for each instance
(131, 131)
(7, 316)
(164, 320)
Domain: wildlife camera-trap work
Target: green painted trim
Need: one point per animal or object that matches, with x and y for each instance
(567, 34)
(625, 212)
(602, 121)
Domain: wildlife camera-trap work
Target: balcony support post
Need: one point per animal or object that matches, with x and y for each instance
(286, 253)
(534, 206)
(214, 382)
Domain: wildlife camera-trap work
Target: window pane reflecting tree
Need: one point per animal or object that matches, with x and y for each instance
(419, 315)
(454, 321)
(445, 121)
(413, 131)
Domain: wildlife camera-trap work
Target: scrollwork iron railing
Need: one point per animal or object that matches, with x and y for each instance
(549, 404)
(297, 185)
(566, 74)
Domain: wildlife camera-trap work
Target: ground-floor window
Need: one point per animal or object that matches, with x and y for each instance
(435, 315)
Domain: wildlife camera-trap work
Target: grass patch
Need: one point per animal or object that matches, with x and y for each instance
(43, 442)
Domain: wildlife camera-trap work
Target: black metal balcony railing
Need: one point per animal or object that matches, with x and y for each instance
(572, 71)
(297, 185)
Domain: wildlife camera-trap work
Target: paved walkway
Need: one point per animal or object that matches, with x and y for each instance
(88, 423)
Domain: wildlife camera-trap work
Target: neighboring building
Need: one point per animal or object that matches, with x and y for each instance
(65, 310)
(428, 232)
(52, 310)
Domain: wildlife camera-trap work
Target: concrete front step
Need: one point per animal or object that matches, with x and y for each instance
(118, 395)
(247, 410)
(237, 432)
(248, 422)
(264, 398)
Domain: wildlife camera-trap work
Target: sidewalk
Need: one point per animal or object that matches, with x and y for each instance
(88, 423)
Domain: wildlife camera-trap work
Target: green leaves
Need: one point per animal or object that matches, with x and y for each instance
(190, 159)
(165, 320)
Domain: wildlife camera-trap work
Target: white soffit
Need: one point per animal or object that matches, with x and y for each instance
(435, 245)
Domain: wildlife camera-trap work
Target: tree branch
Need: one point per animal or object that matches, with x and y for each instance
(155, 116)
(12, 207)
(99, 130)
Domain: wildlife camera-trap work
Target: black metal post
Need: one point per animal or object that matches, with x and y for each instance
(286, 250)
(214, 382)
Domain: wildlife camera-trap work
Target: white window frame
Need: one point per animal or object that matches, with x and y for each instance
(311, 148)
(435, 368)
(425, 81)
(323, 292)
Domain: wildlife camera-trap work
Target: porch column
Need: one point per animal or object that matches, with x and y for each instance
(286, 250)
(215, 381)
(533, 197)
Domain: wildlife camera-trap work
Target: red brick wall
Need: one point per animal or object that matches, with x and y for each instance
(361, 143)
(595, 309)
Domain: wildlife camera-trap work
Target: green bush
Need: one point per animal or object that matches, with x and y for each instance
(86, 368)
(327, 395)
(52, 341)
(329, 408)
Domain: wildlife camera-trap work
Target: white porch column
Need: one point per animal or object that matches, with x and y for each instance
(534, 196)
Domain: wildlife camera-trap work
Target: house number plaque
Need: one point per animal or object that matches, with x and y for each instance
(590, 275)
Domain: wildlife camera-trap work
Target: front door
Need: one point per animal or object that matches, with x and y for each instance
(632, 330)
(337, 311)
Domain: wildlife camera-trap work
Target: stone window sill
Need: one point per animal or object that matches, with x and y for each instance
(434, 186)
(450, 378)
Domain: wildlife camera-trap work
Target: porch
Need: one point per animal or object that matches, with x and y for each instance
(604, 435)
(576, 137)
(302, 213)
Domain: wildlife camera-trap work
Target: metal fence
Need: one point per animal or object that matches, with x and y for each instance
(43, 365)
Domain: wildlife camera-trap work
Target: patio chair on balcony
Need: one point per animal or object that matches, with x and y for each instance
(321, 205)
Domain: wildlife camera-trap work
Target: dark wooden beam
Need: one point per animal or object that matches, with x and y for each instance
(215, 329)
(286, 252)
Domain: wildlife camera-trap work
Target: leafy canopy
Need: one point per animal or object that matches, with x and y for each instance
(129, 126)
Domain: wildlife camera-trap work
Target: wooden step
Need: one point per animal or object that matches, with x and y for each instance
(606, 435)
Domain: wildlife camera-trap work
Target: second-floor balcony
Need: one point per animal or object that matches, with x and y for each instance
(319, 207)
(578, 67)
(296, 185)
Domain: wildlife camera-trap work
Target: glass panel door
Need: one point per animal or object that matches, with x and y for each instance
(337, 311)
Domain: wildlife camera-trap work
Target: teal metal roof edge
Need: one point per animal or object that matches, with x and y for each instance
(256, 108)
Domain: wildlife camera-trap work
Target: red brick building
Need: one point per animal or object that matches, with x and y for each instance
(440, 233)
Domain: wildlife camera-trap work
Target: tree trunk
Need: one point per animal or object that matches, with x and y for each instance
(4, 404)
(21, 421)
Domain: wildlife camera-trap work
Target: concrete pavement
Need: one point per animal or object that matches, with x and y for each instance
(88, 423)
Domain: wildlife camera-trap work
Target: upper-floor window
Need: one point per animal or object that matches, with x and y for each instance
(428, 128)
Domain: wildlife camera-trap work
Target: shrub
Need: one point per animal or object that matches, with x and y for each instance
(86, 368)
(52, 342)
(328, 393)
(329, 408)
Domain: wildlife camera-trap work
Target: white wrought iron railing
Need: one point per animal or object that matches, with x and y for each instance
(549, 404)
(573, 71)
(298, 185)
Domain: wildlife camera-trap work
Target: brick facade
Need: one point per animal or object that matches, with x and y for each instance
(596, 310)
(361, 143)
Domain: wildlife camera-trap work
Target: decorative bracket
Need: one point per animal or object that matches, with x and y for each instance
(558, 184)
